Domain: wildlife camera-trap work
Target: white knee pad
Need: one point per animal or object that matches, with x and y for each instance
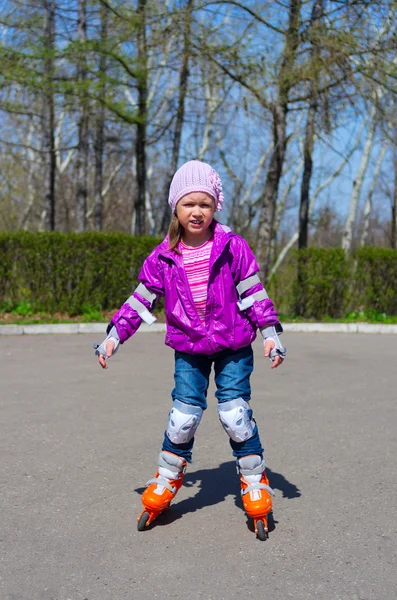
(235, 419)
(183, 421)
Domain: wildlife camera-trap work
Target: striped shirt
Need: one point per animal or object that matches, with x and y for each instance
(197, 267)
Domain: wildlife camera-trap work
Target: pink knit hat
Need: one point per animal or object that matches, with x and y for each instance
(195, 176)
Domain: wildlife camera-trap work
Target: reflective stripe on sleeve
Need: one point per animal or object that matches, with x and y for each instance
(249, 300)
(141, 310)
(248, 283)
(143, 291)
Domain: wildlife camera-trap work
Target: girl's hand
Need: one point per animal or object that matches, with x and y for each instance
(269, 345)
(109, 351)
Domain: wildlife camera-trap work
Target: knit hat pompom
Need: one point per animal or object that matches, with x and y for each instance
(195, 176)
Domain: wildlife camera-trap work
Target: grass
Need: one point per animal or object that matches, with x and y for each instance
(369, 316)
(387, 320)
(24, 314)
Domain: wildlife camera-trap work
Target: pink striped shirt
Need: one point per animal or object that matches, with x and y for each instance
(197, 267)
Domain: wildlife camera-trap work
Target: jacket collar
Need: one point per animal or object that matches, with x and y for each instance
(222, 235)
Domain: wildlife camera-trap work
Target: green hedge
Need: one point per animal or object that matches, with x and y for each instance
(375, 279)
(334, 285)
(56, 272)
(65, 272)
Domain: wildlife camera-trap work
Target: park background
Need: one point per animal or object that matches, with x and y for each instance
(292, 102)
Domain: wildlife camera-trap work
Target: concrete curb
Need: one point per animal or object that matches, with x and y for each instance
(340, 328)
(100, 328)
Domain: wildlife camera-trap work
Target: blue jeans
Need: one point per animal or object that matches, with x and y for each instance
(232, 379)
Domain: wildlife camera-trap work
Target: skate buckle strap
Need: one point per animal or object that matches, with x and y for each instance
(162, 481)
(258, 486)
(172, 468)
(255, 471)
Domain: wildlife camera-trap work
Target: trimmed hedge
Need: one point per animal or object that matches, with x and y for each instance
(375, 279)
(59, 272)
(334, 284)
(66, 272)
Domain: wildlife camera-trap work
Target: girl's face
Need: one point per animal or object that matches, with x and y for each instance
(195, 212)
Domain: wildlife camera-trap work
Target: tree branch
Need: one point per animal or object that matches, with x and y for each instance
(248, 10)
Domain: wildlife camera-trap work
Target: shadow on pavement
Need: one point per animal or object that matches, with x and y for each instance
(215, 485)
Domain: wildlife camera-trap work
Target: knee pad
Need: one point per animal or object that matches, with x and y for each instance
(183, 421)
(235, 416)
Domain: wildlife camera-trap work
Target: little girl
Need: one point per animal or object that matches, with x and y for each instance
(214, 304)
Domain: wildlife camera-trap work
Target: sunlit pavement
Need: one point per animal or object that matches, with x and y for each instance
(77, 445)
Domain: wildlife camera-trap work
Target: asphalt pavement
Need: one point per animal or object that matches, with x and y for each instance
(77, 445)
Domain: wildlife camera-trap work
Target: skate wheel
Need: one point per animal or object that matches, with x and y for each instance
(143, 519)
(261, 532)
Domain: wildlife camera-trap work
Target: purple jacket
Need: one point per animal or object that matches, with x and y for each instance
(226, 325)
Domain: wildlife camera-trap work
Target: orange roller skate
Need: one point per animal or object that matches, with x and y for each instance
(162, 488)
(256, 492)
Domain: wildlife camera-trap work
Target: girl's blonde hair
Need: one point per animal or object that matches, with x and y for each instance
(174, 233)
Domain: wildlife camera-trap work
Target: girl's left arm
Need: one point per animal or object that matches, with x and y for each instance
(253, 298)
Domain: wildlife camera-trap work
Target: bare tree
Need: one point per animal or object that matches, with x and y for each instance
(368, 201)
(83, 146)
(374, 68)
(180, 113)
(347, 239)
(393, 238)
(161, 81)
(49, 115)
(141, 128)
(99, 141)
(279, 110)
(294, 238)
(315, 40)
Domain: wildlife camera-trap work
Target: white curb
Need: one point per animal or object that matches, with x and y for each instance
(373, 328)
(321, 327)
(160, 328)
(11, 329)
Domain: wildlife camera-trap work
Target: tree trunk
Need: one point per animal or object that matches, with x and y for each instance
(301, 302)
(99, 142)
(280, 109)
(49, 116)
(140, 144)
(317, 14)
(307, 175)
(82, 146)
(180, 114)
(347, 239)
(313, 199)
(394, 206)
(368, 202)
(266, 219)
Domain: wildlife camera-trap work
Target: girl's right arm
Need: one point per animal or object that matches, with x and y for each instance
(137, 308)
(108, 347)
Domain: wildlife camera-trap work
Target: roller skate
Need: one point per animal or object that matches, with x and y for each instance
(162, 488)
(256, 492)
